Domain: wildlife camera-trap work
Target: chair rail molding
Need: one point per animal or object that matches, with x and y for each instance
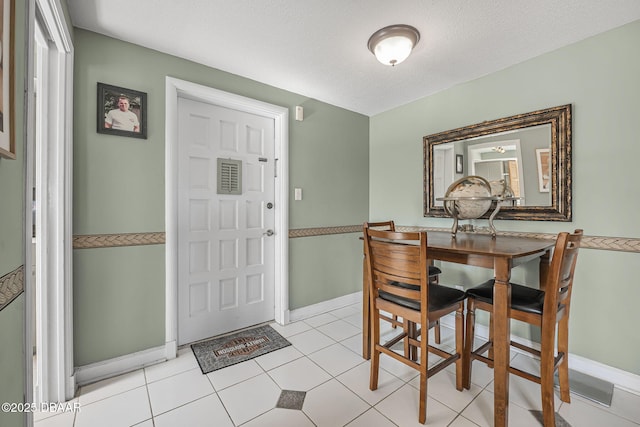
(89, 241)
(11, 286)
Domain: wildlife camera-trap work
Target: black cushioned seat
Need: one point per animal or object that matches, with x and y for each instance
(523, 298)
(434, 271)
(439, 296)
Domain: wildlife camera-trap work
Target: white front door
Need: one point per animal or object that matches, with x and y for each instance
(225, 241)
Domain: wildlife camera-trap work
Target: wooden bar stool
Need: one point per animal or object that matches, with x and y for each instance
(434, 272)
(541, 308)
(400, 286)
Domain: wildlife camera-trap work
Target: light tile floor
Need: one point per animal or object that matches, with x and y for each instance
(324, 361)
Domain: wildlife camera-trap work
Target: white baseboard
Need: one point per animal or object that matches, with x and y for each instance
(171, 349)
(286, 317)
(324, 306)
(623, 380)
(119, 365)
(72, 386)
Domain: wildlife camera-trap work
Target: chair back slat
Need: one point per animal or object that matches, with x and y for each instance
(397, 259)
(562, 269)
(383, 225)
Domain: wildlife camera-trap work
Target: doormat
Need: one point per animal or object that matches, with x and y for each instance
(220, 352)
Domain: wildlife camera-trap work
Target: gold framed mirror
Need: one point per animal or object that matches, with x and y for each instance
(531, 152)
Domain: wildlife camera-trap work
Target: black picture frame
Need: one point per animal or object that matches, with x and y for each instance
(109, 99)
(459, 163)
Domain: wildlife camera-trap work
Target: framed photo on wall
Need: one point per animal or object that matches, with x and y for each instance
(7, 30)
(122, 111)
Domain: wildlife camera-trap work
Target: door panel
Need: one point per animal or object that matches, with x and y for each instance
(225, 255)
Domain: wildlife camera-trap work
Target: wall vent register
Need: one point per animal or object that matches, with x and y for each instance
(229, 176)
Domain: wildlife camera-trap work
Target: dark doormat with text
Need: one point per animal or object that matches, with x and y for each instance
(220, 352)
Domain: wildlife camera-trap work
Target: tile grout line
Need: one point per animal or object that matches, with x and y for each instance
(146, 387)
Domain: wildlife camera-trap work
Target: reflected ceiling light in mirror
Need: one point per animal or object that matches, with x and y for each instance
(500, 150)
(393, 44)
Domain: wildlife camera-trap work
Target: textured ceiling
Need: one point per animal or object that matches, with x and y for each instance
(319, 48)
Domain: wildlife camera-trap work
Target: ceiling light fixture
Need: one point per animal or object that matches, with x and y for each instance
(393, 44)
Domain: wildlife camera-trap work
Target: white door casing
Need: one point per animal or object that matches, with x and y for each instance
(225, 241)
(175, 89)
(49, 150)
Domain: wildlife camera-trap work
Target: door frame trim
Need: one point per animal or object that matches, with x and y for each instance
(55, 324)
(175, 88)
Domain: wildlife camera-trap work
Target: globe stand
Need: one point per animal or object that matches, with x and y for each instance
(454, 210)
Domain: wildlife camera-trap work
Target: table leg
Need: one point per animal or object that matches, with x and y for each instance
(501, 338)
(366, 323)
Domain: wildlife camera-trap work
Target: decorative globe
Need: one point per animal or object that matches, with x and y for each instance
(465, 189)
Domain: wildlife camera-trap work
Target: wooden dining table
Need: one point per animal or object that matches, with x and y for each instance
(501, 254)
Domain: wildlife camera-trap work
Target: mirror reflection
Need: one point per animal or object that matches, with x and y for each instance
(526, 157)
(511, 156)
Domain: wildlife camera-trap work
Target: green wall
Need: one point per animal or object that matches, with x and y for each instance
(332, 265)
(119, 188)
(12, 369)
(119, 298)
(599, 77)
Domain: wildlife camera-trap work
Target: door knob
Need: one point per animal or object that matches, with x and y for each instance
(268, 232)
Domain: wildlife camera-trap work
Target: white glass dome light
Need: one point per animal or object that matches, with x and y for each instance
(393, 44)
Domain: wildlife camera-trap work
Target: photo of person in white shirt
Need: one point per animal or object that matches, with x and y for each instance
(122, 118)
